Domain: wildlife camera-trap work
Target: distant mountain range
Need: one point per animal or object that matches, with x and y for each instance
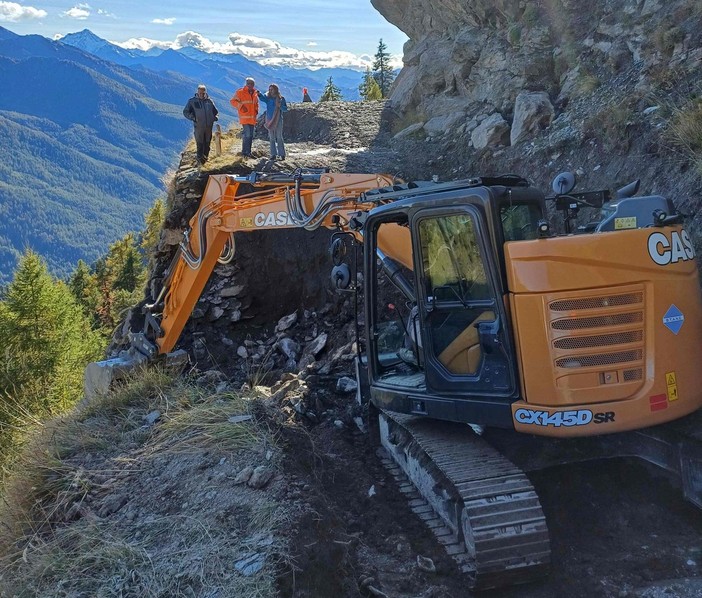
(89, 129)
(222, 71)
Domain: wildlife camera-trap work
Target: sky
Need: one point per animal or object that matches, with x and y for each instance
(304, 33)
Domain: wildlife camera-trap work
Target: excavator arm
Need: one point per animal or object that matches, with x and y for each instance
(263, 201)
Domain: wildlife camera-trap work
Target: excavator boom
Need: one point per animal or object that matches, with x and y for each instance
(235, 204)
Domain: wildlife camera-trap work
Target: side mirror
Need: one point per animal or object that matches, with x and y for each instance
(564, 183)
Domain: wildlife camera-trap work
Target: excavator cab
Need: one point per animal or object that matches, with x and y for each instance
(447, 352)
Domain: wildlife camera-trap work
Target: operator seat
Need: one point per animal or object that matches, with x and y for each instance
(464, 354)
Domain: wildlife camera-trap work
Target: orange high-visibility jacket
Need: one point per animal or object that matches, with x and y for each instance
(247, 105)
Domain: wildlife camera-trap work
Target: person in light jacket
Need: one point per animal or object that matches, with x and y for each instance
(201, 110)
(275, 107)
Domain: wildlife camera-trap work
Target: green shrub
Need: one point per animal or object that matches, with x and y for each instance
(514, 34)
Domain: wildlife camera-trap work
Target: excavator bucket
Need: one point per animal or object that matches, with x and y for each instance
(100, 376)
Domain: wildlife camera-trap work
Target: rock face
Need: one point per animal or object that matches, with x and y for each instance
(479, 56)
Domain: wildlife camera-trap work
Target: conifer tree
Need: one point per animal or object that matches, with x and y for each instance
(369, 88)
(382, 71)
(126, 276)
(47, 342)
(153, 222)
(84, 287)
(331, 92)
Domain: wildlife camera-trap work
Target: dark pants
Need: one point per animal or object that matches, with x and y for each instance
(247, 138)
(203, 137)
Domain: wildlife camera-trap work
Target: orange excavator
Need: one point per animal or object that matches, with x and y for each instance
(555, 348)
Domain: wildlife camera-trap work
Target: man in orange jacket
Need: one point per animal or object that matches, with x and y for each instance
(245, 100)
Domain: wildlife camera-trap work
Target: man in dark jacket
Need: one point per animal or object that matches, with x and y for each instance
(201, 110)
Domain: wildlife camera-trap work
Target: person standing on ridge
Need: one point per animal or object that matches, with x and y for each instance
(201, 110)
(245, 101)
(275, 106)
(305, 96)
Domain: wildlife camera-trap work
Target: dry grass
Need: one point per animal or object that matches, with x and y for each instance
(231, 145)
(612, 126)
(685, 130)
(587, 83)
(54, 541)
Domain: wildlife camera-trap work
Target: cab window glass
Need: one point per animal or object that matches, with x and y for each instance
(453, 266)
(520, 221)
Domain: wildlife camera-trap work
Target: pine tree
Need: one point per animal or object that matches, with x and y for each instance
(369, 88)
(153, 222)
(382, 71)
(124, 263)
(47, 342)
(126, 276)
(331, 92)
(84, 287)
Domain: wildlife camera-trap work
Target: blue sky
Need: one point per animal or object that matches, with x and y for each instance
(294, 32)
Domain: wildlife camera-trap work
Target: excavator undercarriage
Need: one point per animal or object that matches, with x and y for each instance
(498, 532)
(470, 486)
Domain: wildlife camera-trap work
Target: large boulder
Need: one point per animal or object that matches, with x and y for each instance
(440, 124)
(533, 112)
(494, 130)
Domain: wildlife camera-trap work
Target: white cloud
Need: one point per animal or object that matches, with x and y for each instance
(104, 13)
(262, 50)
(80, 12)
(311, 43)
(143, 43)
(168, 21)
(13, 12)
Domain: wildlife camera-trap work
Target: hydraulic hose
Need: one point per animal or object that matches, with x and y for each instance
(396, 276)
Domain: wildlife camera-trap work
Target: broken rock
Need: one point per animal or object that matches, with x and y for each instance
(152, 418)
(260, 477)
(289, 348)
(346, 384)
(317, 344)
(244, 475)
(234, 291)
(286, 322)
(250, 564)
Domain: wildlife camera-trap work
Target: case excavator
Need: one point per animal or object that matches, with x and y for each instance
(492, 346)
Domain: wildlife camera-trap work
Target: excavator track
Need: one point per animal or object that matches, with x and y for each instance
(484, 510)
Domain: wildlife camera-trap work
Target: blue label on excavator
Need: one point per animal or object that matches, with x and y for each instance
(673, 319)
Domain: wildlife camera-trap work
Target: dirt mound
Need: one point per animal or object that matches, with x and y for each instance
(338, 124)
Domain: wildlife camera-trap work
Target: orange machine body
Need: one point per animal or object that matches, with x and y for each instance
(608, 330)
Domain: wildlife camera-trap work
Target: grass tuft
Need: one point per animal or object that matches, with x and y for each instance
(57, 538)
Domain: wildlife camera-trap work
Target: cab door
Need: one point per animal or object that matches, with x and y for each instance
(467, 348)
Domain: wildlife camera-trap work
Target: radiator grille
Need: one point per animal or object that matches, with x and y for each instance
(630, 375)
(597, 321)
(610, 335)
(585, 361)
(601, 340)
(596, 302)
